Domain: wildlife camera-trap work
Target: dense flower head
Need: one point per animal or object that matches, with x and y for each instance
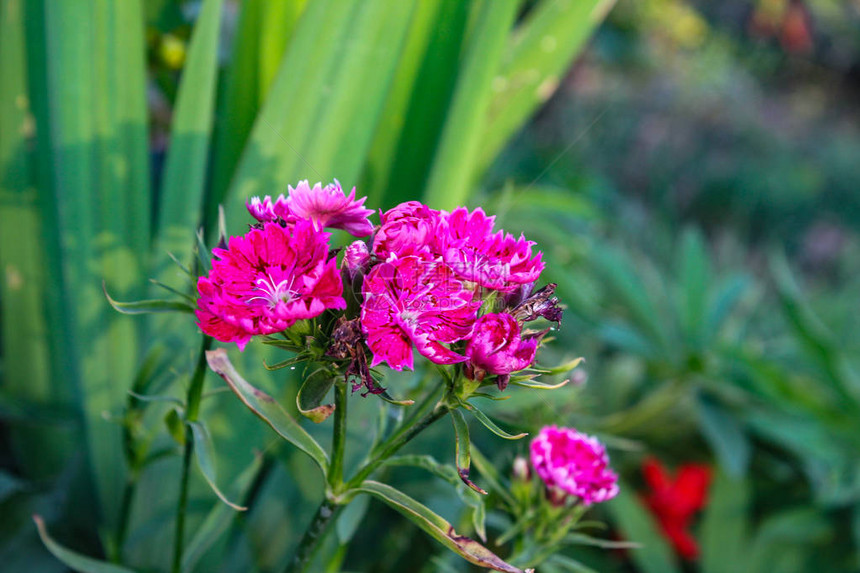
(494, 260)
(407, 228)
(674, 502)
(415, 300)
(574, 463)
(326, 207)
(497, 347)
(266, 281)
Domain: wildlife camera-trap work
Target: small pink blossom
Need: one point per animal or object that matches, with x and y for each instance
(266, 281)
(406, 229)
(265, 210)
(329, 207)
(356, 258)
(497, 347)
(415, 300)
(326, 207)
(494, 260)
(573, 463)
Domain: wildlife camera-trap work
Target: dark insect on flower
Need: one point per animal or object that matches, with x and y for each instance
(346, 343)
(540, 303)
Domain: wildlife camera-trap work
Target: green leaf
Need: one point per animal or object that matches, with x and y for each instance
(695, 278)
(350, 518)
(724, 433)
(175, 425)
(205, 455)
(454, 166)
(435, 526)
(266, 408)
(185, 167)
(490, 425)
(637, 525)
(541, 51)
(583, 539)
(74, 560)
(534, 384)
(312, 393)
(491, 475)
(148, 306)
(404, 157)
(725, 527)
(461, 437)
(218, 520)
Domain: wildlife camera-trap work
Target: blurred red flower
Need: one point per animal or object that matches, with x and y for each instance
(674, 502)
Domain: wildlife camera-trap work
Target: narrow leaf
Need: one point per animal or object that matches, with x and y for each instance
(148, 306)
(266, 408)
(75, 560)
(725, 526)
(437, 527)
(205, 454)
(490, 425)
(461, 436)
(724, 433)
(539, 385)
(453, 171)
(218, 519)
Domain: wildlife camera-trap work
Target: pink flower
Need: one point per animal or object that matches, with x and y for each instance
(266, 281)
(406, 229)
(356, 258)
(326, 207)
(329, 207)
(415, 300)
(573, 463)
(497, 347)
(493, 260)
(265, 210)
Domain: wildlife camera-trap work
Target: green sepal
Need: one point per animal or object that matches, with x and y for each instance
(490, 425)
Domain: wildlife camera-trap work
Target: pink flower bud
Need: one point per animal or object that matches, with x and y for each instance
(497, 347)
(356, 258)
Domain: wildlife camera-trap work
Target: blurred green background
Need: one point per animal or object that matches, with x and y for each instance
(689, 169)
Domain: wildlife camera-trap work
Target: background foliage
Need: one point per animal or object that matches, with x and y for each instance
(691, 179)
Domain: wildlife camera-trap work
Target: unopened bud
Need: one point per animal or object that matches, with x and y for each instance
(521, 469)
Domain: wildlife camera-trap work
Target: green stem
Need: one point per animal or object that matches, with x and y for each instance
(397, 441)
(314, 535)
(192, 410)
(329, 508)
(338, 442)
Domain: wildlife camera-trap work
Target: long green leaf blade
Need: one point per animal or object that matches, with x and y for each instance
(73, 559)
(541, 50)
(435, 526)
(266, 408)
(453, 170)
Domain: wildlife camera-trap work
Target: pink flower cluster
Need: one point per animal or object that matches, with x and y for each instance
(423, 276)
(280, 272)
(572, 463)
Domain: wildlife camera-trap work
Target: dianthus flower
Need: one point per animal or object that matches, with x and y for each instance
(674, 502)
(573, 463)
(497, 347)
(406, 229)
(494, 260)
(415, 300)
(266, 281)
(326, 207)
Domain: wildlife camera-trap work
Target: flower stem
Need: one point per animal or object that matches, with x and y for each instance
(338, 441)
(313, 536)
(329, 508)
(192, 409)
